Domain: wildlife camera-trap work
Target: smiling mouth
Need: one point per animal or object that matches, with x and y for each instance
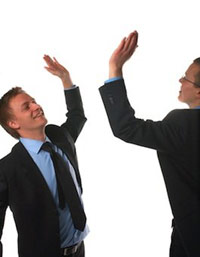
(41, 113)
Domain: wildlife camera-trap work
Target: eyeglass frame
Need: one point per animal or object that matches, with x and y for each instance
(195, 84)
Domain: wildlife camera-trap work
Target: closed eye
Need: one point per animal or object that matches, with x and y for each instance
(26, 105)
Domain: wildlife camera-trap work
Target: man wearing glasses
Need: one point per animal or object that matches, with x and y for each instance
(176, 139)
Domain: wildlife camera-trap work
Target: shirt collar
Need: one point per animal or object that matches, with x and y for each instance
(32, 144)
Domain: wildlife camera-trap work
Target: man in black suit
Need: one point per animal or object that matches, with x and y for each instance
(31, 178)
(176, 139)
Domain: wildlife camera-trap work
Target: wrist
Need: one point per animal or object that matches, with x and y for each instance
(67, 83)
(115, 72)
(66, 80)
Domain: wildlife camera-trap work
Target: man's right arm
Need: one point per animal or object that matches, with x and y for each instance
(165, 135)
(162, 135)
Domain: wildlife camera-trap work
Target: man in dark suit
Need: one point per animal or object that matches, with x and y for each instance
(29, 178)
(176, 139)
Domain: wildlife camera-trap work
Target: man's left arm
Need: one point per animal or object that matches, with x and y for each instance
(3, 205)
(75, 115)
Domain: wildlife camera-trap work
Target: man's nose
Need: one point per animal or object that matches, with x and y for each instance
(35, 106)
(181, 80)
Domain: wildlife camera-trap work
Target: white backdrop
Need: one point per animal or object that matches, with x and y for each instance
(124, 193)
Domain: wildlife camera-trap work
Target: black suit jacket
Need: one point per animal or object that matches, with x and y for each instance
(177, 141)
(25, 191)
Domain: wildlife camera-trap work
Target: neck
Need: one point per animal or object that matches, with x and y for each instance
(36, 135)
(192, 106)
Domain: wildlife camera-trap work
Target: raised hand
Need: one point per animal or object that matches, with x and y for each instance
(55, 68)
(123, 52)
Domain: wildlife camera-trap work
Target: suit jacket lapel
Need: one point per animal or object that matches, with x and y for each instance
(31, 170)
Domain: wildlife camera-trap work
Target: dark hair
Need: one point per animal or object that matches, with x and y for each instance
(6, 112)
(197, 75)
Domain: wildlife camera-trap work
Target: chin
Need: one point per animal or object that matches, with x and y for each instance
(45, 121)
(180, 98)
(44, 118)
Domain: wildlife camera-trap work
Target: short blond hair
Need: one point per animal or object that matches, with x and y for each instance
(6, 112)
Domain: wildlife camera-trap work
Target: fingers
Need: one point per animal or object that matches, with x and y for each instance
(133, 44)
(58, 64)
(53, 64)
(130, 45)
(49, 69)
(47, 58)
(121, 45)
(49, 61)
(56, 60)
(131, 41)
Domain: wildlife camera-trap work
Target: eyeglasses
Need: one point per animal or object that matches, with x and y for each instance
(184, 77)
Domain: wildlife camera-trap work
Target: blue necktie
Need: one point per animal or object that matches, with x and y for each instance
(67, 192)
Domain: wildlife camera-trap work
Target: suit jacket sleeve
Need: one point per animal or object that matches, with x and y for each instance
(75, 115)
(3, 206)
(165, 135)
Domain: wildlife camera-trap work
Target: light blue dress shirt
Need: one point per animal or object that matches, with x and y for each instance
(112, 79)
(68, 234)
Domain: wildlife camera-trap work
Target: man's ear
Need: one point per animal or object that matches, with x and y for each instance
(13, 124)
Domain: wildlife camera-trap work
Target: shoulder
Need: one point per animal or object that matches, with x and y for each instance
(178, 115)
(5, 160)
(58, 134)
(61, 138)
(11, 155)
(185, 121)
(9, 161)
(53, 130)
